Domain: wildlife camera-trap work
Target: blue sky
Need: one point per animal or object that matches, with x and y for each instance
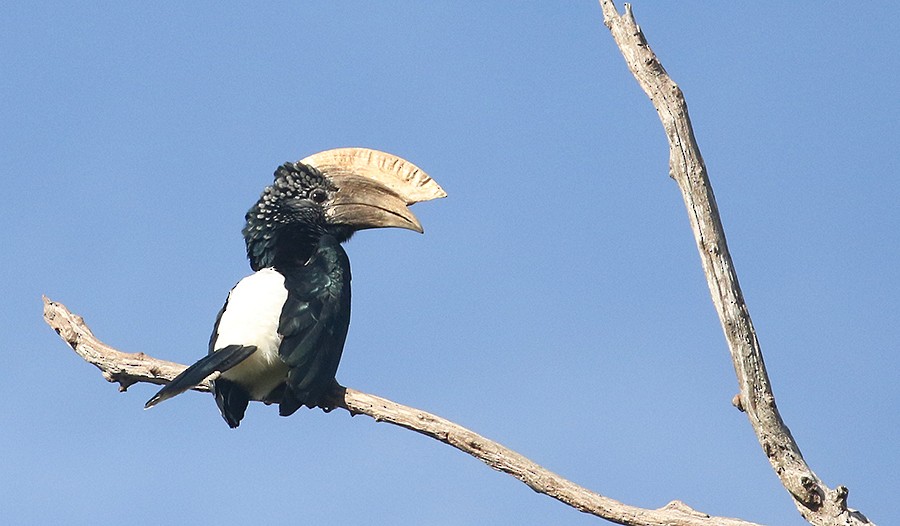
(555, 304)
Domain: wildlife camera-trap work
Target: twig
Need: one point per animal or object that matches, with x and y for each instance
(128, 369)
(817, 503)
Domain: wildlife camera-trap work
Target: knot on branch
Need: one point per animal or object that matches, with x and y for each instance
(808, 492)
(125, 381)
(681, 507)
(839, 496)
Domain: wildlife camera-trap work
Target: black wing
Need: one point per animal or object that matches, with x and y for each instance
(314, 323)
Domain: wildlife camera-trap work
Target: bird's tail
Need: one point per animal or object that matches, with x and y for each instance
(219, 361)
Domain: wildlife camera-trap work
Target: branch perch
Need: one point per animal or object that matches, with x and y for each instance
(817, 503)
(820, 505)
(127, 369)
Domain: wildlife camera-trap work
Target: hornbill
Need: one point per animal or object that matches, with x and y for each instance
(280, 335)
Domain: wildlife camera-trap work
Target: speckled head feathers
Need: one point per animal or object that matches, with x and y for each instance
(296, 198)
(335, 192)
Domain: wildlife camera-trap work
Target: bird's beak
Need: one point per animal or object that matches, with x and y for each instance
(374, 188)
(361, 203)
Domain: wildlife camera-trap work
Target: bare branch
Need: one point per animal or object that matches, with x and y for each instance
(128, 369)
(820, 505)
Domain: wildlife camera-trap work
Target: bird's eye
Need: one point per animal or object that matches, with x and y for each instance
(318, 195)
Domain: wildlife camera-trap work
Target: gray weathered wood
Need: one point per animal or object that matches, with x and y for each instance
(819, 504)
(128, 369)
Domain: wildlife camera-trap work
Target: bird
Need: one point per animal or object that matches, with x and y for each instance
(280, 334)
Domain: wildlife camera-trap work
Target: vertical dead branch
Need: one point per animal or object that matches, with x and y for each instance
(818, 504)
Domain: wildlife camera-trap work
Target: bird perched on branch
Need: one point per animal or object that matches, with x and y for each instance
(280, 335)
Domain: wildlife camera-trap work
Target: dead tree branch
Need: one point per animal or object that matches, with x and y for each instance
(127, 369)
(817, 503)
(820, 505)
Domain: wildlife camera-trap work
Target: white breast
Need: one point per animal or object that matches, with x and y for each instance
(251, 318)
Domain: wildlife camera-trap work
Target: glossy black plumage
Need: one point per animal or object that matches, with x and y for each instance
(280, 335)
(314, 323)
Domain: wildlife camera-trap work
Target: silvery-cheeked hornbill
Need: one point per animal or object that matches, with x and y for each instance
(280, 335)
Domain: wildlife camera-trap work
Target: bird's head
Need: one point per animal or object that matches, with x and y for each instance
(336, 192)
